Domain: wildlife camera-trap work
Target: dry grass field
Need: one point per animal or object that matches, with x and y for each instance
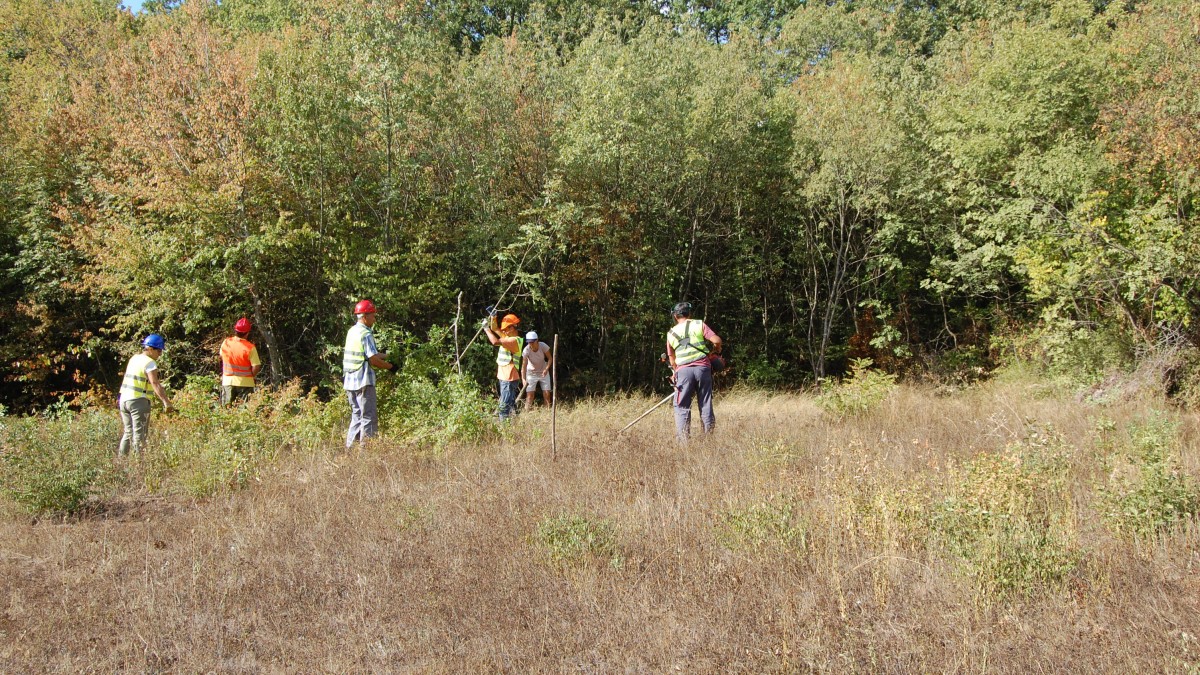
(1008, 527)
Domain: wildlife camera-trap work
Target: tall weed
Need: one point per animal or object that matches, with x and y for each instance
(1009, 519)
(58, 463)
(1147, 492)
(768, 525)
(881, 509)
(883, 517)
(858, 394)
(208, 447)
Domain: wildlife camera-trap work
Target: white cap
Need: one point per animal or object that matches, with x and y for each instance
(531, 335)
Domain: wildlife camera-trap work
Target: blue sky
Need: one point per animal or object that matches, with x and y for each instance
(134, 5)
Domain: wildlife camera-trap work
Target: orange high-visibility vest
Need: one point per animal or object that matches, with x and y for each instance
(235, 357)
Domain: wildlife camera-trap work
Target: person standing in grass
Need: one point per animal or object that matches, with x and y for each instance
(358, 375)
(537, 359)
(239, 364)
(141, 377)
(690, 343)
(508, 360)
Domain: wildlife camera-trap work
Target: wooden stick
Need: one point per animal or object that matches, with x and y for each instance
(554, 400)
(457, 321)
(499, 300)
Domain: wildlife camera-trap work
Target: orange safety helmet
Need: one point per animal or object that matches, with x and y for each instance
(364, 307)
(242, 325)
(509, 320)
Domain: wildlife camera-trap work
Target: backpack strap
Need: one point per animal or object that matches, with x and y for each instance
(686, 339)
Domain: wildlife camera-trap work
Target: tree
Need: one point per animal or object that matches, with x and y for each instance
(185, 231)
(49, 319)
(851, 162)
(1129, 254)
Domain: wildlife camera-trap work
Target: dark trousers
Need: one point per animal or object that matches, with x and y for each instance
(231, 394)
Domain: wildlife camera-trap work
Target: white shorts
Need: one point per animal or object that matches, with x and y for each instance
(532, 382)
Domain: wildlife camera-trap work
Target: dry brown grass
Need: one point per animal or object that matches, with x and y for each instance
(389, 561)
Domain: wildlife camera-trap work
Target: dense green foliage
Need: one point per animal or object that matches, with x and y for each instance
(62, 462)
(904, 182)
(56, 463)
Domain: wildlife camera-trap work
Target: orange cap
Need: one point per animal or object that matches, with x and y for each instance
(509, 320)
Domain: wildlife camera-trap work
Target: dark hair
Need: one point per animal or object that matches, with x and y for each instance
(682, 309)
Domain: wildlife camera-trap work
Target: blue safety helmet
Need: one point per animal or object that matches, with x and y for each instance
(155, 340)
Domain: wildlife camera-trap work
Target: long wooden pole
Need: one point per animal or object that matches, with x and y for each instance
(457, 351)
(554, 400)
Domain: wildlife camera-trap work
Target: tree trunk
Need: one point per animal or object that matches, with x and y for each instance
(274, 355)
(685, 284)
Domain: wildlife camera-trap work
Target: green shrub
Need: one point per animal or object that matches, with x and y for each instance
(573, 540)
(767, 525)
(763, 372)
(1087, 355)
(1184, 381)
(420, 410)
(57, 464)
(208, 447)
(429, 402)
(1147, 493)
(862, 391)
(962, 365)
(1009, 520)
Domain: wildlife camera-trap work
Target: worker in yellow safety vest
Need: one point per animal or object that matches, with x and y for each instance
(360, 359)
(693, 350)
(240, 364)
(508, 359)
(141, 377)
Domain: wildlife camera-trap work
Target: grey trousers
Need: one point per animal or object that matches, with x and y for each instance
(135, 417)
(695, 381)
(364, 418)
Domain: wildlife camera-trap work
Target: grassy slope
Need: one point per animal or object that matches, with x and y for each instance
(385, 561)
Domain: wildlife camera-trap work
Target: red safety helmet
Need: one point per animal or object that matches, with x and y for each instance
(364, 307)
(242, 325)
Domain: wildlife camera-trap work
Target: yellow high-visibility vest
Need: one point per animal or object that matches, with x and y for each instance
(505, 357)
(136, 383)
(356, 348)
(690, 345)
